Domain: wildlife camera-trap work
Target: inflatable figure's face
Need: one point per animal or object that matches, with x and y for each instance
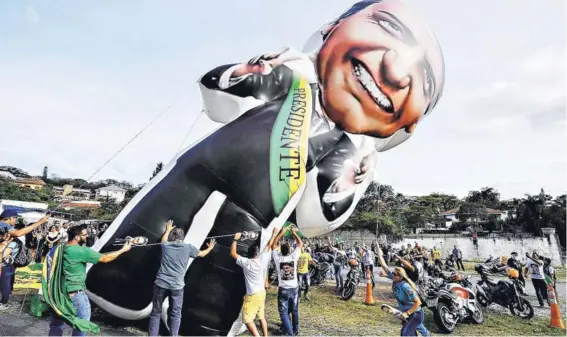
(380, 70)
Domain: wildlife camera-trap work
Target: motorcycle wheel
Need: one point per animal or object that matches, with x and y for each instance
(478, 316)
(482, 300)
(348, 291)
(440, 318)
(528, 311)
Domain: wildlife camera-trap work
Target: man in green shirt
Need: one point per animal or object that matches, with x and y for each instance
(75, 261)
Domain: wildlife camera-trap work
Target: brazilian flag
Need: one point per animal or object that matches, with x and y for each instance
(55, 294)
(288, 233)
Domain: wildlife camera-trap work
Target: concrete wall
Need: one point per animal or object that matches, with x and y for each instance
(547, 246)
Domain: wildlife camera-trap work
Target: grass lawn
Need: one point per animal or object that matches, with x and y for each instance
(326, 314)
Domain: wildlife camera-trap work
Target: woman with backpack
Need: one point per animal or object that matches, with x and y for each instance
(13, 250)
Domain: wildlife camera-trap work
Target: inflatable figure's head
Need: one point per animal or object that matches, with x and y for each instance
(380, 69)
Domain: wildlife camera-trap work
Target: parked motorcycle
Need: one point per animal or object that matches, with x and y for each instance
(352, 281)
(494, 265)
(452, 299)
(319, 271)
(504, 292)
(455, 304)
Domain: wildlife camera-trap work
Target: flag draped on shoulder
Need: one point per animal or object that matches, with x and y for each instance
(55, 293)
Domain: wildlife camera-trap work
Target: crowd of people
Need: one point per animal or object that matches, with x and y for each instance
(36, 239)
(405, 266)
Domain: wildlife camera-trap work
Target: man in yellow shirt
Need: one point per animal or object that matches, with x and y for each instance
(436, 255)
(303, 263)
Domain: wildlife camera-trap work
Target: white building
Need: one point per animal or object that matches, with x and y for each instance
(111, 192)
(67, 192)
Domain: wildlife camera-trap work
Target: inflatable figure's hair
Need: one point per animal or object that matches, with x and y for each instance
(357, 7)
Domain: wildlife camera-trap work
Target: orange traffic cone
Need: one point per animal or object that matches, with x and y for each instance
(369, 299)
(556, 321)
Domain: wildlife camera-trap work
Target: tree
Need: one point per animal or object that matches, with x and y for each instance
(11, 191)
(15, 171)
(487, 196)
(472, 211)
(157, 170)
(45, 176)
(556, 216)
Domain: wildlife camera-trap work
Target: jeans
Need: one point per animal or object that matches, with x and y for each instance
(83, 306)
(338, 276)
(175, 301)
(409, 328)
(304, 281)
(423, 330)
(540, 289)
(6, 282)
(288, 300)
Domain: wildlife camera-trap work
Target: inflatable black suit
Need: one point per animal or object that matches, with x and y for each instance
(299, 144)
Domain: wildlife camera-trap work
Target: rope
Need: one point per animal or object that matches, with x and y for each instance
(189, 132)
(244, 237)
(120, 150)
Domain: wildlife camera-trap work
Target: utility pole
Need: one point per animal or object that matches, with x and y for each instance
(378, 210)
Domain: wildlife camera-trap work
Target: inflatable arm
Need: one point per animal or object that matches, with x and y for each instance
(230, 90)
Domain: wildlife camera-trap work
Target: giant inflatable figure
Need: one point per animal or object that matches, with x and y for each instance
(299, 143)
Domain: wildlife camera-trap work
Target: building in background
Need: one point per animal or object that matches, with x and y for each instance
(113, 192)
(85, 204)
(34, 183)
(67, 192)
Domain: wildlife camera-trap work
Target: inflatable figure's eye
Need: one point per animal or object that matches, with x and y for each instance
(389, 25)
(391, 28)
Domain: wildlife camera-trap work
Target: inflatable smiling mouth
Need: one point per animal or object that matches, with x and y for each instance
(369, 84)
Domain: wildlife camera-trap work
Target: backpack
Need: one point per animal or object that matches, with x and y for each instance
(23, 258)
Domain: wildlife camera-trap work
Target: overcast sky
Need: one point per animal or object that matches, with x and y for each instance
(78, 79)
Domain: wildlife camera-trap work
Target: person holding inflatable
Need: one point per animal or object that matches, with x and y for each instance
(299, 143)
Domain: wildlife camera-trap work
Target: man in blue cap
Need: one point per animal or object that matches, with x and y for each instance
(8, 219)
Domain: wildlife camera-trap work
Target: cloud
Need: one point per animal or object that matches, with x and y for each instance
(31, 14)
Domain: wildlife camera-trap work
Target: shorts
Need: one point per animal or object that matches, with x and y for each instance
(253, 307)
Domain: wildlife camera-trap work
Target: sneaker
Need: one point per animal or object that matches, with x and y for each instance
(4, 306)
(307, 297)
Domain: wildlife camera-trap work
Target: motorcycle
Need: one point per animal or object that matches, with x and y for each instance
(494, 265)
(504, 292)
(352, 281)
(319, 271)
(455, 303)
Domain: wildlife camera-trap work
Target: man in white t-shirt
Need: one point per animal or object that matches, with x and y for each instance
(288, 297)
(254, 277)
(535, 266)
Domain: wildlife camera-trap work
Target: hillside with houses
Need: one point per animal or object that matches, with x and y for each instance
(382, 210)
(74, 198)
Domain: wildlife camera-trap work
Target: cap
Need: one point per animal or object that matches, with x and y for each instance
(9, 213)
